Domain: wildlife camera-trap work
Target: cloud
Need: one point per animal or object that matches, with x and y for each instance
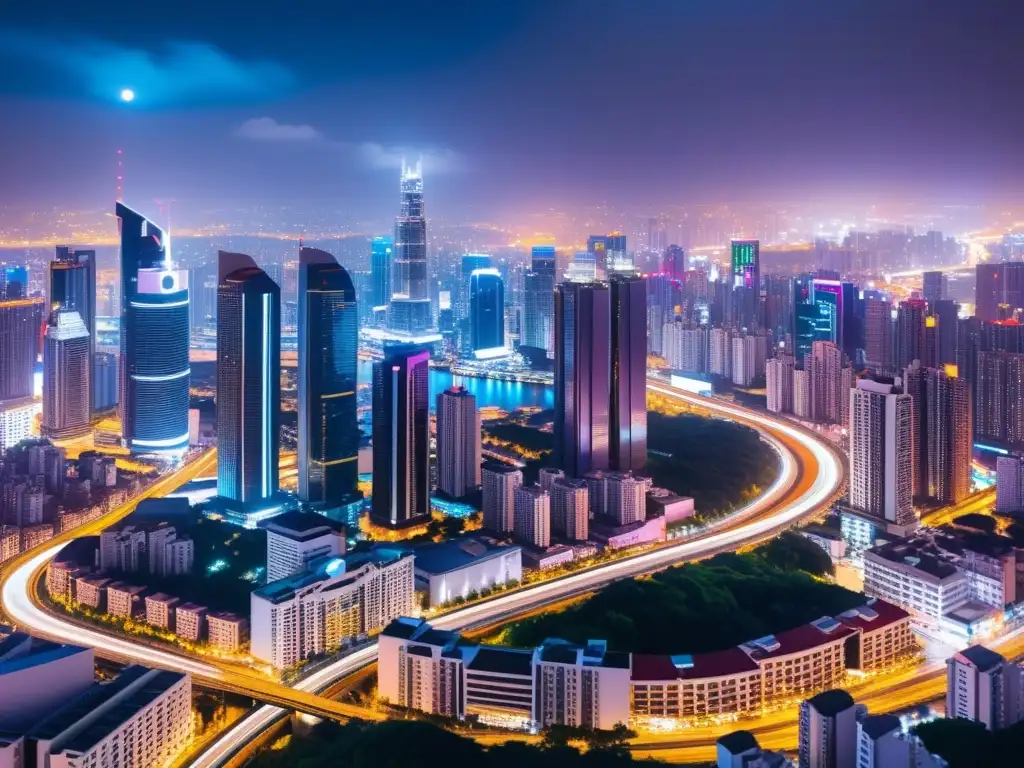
(175, 73)
(435, 161)
(268, 129)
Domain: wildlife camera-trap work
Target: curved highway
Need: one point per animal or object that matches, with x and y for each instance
(812, 474)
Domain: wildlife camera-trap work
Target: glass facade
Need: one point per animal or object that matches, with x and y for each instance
(487, 310)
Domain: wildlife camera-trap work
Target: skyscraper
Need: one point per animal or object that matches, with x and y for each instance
(673, 263)
(328, 335)
(942, 433)
(486, 310)
(582, 377)
(380, 270)
(410, 301)
(881, 435)
(19, 332)
(934, 287)
(248, 384)
(878, 335)
(999, 399)
(910, 328)
(746, 264)
(458, 442)
(66, 372)
(828, 731)
(539, 300)
(628, 406)
(999, 290)
(620, 260)
(73, 286)
(154, 370)
(779, 382)
(570, 508)
(533, 516)
(401, 441)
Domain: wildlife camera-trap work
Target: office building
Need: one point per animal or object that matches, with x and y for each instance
(20, 321)
(628, 406)
(532, 516)
(248, 385)
(828, 731)
(458, 442)
(570, 508)
(104, 381)
(999, 290)
(154, 363)
(942, 433)
(909, 338)
(142, 718)
(1009, 484)
(409, 311)
(67, 367)
(673, 262)
(881, 435)
(328, 336)
(983, 687)
(380, 270)
(745, 258)
(500, 482)
(779, 383)
(539, 300)
(486, 310)
(461, 566)
(583, 348)
(401, 441)
(38, 677)
(337, 600)
(294, 539)
(73, 287)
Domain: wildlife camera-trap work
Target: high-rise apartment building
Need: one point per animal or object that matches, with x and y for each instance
(779, 382)
(628, 385)
(248, 384)
(881, 439)
(582, 377)
(934, 286)
(20, 322)
(570, 508)
(539, 300)
(828, 731)
(999, 290)
(942, 424)
(532, 523)
(499, 495)
(999, 399)
(1009, 484)
(328, 335)
(486, 310)
(409, 310)
(983, 687)
(830, 378)
(626, 497)
(458, 442)
(910, 332)
(67, 370)
(683, 347)
(401, 440)
(154, 365)
(295, 539)
(879, 350)
(673, 262)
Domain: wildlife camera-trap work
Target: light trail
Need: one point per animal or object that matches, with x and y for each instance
(810, 476)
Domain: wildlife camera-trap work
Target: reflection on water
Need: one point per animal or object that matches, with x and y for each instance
(507, 395)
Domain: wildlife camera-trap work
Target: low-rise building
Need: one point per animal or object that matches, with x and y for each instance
(695, 686)
(160, 610)
(190, 621)
(885, 635)
(457, 567)
(296, 538)
(33, 536)
(335, 601)
(77, 558)
(91, 591)
(142, 718)
(584, 686)
(662, 502)
(802, 660)
(922, 583)
(226, 631)
(125, 600)
(10, 542)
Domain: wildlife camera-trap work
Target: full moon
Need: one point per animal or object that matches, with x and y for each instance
(127, 95)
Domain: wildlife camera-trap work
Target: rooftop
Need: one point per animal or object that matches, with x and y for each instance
(457, 553)
(92, 699)
(18, 651)
(303, 526)
(726, 663)
(981, 657)
(191, 607)
(160, 597)
(502, 661)
(798, 639)
(404, 627)
(915, 554)
(738, 742)
(873, 615)
(328, 568)
(831, 703)
(877, 726)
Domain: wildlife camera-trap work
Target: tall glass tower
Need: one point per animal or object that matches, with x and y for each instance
(154, 371)
(487, 310)
(248, 384)
(67, 367)
(328, 345)
(410, 302)
(539, 301)
(73, 287)
(628, 423)
(380, 270)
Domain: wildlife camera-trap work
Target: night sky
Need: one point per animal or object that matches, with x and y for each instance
(518, 104)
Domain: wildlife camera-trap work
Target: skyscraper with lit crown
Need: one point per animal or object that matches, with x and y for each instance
(409, 310)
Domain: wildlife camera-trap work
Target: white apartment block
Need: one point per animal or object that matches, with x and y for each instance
(779, 383)
(684, 348)
(226, 631)
(91, 591)
(720, 352)
(499, 492)
(17, 420)
(802, 395)
(124, 600)
(570, 509)
(924, 585)
(190, 621)
(294, 539)
(338, 600)
(533, 516)
(160, 610)
(881, 451)
(142, 718)
(984, 687)
(168, 553)
(123, 549)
